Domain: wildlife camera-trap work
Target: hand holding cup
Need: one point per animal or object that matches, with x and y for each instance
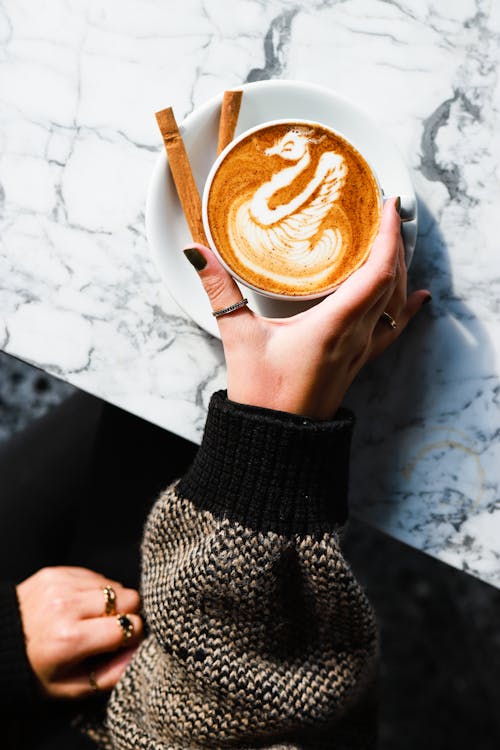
(304, 364)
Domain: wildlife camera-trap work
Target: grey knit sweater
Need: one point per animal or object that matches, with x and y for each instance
(259, 634)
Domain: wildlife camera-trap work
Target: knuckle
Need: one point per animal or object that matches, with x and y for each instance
(60, 603)
(386, 278)
(47, 575)
(65, 634)
(387, 274)
(215, 286)
(57, 603)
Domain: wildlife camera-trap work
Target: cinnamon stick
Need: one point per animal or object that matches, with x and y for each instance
(231, 103)
(181, 172)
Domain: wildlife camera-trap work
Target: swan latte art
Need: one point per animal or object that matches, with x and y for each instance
(293, 209)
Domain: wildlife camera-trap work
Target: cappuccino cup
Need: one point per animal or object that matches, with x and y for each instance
(291, 209)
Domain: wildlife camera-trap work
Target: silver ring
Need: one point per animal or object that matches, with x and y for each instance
(230, 309)
(389, 319)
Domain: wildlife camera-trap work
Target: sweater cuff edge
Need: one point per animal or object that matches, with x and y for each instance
(271, 471)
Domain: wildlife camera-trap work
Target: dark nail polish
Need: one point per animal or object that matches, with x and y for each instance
(427, 299)
(195, 258)
(398, 204)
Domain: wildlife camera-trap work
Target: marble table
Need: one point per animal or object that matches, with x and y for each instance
(81, 298)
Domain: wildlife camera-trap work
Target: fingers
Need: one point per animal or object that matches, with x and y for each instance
(91, 602)
(63, 616)
(394, 298)
(413, 305)
(384, 335)
(91, 677)
(102, 634)
(107, 675)
(376, 277)
(397, 306)
(221, 289)
(78, 622)
(79, 578)
(79, 593)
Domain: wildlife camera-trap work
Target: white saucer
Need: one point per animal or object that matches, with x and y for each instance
(166, 227)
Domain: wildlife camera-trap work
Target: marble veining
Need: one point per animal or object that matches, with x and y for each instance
(80, 297)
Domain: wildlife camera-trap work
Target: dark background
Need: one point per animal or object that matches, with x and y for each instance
(440, 628)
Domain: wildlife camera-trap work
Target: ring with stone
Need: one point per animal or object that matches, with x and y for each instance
(126, 625)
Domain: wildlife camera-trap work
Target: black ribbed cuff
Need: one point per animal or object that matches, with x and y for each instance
(270, 470)
(17, 682)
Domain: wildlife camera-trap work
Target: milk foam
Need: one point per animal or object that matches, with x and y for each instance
(293, 209)
(288, 243)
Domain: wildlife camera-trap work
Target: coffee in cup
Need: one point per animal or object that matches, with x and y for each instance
(292, 209)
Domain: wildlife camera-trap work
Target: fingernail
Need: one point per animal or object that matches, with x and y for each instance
(427, 299)
(398, 204)
(195, 258)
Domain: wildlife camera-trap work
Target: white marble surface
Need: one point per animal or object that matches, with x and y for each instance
(80, 297)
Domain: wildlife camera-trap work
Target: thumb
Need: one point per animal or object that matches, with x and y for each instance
(221, 289)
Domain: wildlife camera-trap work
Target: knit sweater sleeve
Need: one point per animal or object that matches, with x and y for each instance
(259, 634)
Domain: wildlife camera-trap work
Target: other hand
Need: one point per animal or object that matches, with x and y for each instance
(67, 634)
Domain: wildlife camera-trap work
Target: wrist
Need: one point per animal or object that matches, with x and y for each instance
(317, 407)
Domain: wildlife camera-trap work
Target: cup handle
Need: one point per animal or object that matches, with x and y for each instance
(408, 210)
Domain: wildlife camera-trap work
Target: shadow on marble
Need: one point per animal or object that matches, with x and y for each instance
(415, 406)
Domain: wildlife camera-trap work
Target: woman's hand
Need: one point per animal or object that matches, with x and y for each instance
(67, 634)
(305, 364)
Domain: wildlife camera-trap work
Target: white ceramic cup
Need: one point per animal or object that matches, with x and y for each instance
(222, 156)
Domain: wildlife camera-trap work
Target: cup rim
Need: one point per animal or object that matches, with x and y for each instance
(206, 191)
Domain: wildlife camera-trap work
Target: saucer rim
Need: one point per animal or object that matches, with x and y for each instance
(204, 319)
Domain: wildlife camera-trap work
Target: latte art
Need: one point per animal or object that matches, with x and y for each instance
(281, 209)
(294, 232)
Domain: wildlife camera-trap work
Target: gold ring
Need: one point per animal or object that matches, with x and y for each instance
(93, 682)
(389, 319)
(126, 625)
(109, 600)
(230, 309)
